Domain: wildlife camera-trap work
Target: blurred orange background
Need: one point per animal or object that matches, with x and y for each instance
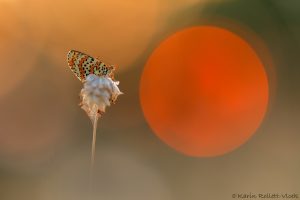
(45, 138)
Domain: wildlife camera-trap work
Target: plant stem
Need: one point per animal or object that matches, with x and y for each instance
(94, 121)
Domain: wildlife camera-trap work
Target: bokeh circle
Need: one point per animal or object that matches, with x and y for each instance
(204, 91)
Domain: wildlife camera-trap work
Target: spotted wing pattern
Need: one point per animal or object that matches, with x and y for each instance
(82, 65)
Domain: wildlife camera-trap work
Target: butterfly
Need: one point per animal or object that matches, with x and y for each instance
(82, 65)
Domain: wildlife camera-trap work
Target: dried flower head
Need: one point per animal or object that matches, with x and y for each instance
(97, 93)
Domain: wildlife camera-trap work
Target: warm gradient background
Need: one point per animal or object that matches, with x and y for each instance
(45, 137)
